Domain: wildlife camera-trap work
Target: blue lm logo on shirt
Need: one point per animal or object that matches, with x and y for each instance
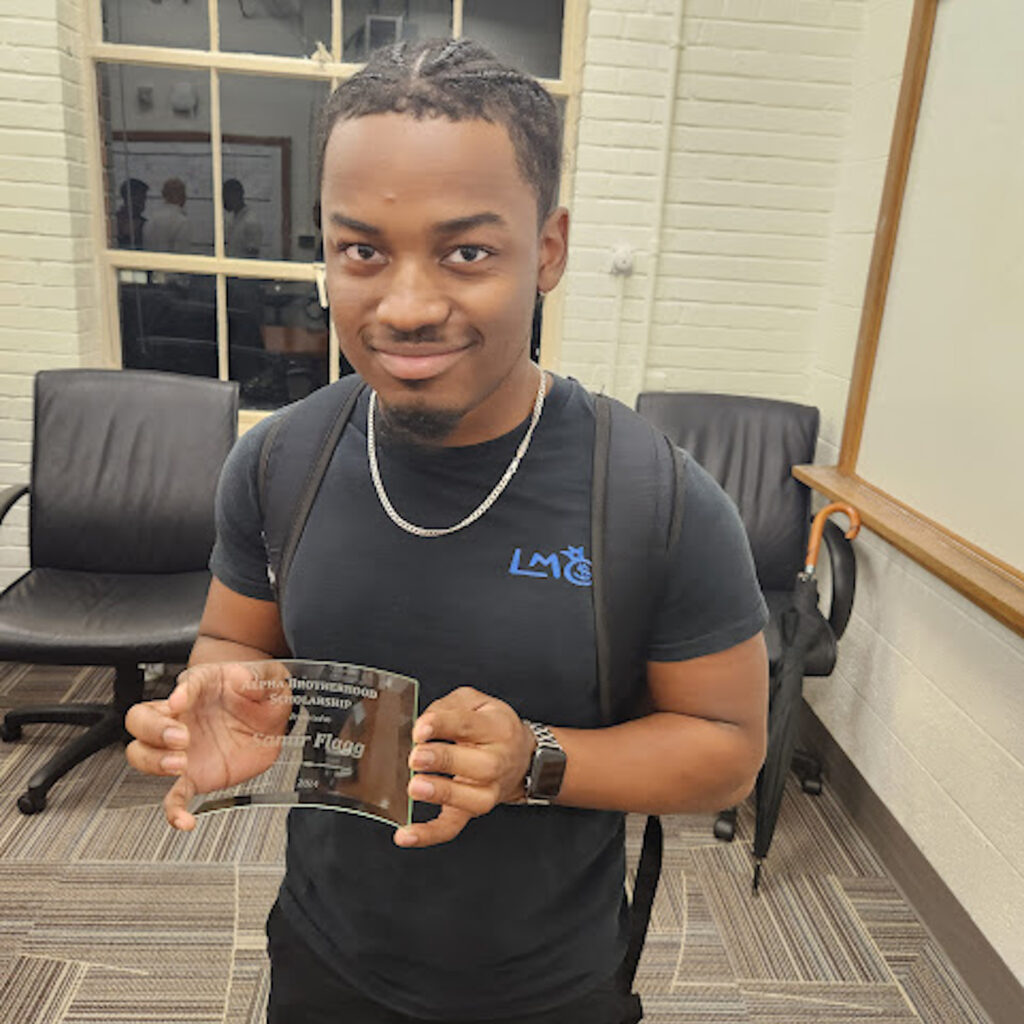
(577, 569)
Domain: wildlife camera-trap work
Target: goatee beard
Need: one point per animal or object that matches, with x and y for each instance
(417, 428)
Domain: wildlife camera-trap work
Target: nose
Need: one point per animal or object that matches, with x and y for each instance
(412, 300)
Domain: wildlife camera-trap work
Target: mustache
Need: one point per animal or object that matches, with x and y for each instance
(427, 335)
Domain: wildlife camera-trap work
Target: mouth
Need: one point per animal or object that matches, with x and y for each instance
(418, 360)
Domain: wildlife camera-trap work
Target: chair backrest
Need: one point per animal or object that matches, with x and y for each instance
(124, 469)
(749, 445)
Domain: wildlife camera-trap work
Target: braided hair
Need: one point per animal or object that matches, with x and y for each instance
(460, 80)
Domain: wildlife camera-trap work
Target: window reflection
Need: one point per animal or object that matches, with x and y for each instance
(168, 322)
(527, 33)
(155, 124)
(269, 158)
(157, 24)
(278, 340)
(293, 29)
(368, 25)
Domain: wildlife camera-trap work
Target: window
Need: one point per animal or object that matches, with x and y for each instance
(204, 155)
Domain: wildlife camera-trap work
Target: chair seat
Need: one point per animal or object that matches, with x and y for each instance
(57, 616)
(821, 658)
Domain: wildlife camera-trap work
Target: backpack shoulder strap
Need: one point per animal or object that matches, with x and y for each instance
(636, 518)
(294, 457)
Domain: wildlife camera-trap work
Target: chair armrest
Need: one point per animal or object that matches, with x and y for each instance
(844, 577)
(9, 495)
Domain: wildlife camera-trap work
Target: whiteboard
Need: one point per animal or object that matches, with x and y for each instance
(257, 165)
(944, 427)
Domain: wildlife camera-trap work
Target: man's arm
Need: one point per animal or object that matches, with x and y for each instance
(238, 628)
(699, 750)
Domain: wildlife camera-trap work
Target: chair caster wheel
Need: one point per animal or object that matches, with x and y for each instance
(811, 786)
(725, 828)
(10, 732)
(31, 803)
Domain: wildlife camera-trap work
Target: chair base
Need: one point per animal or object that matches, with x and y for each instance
(105, 726)
(808, 771)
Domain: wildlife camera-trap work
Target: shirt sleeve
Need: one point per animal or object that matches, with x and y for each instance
(712, 599)
(239, 558)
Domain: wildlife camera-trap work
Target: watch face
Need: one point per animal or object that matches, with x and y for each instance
(546, 776)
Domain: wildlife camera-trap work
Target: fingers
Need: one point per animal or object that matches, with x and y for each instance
(480, 764)
(459, 793)
(176, 805)
(442, 829)
(467, 716)
(160, 739)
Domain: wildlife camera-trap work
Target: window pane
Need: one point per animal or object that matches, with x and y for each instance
(527, 33)
(269, 154)
(286, 29)
(368, 25)
(157, 24)
(168, 322)
(278, 337)
(155, 125)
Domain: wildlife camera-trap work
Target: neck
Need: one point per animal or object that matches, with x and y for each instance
(502, 410)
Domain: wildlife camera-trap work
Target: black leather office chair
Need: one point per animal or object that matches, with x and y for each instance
(749, 445)
(124, 469)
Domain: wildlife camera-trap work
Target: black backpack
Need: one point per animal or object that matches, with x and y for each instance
(636, 516)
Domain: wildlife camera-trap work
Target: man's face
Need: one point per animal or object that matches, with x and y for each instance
(434, 259)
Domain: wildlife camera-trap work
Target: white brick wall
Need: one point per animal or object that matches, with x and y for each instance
(47, 287)
(926, 699)
(779, 144)
(740, 244)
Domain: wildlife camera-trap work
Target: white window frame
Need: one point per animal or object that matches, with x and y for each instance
(327, 68)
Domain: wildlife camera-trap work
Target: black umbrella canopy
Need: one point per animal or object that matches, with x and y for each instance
(800, 627)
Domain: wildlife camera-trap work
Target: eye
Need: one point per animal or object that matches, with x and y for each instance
(361, 252)
(466, 254)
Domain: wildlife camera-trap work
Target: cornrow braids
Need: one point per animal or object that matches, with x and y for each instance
(460, 80)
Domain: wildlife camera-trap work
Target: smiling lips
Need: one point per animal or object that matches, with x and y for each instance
(419, 361)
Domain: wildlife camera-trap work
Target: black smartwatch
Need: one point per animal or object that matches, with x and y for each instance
(543, 780)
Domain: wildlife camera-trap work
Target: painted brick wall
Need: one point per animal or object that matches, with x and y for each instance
(47, 291)
(927, 698)
(778, 148)
(736, 236)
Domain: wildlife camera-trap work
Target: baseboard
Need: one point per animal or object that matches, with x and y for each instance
(986, 974)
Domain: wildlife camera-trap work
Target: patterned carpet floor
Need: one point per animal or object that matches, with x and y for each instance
(109, 917)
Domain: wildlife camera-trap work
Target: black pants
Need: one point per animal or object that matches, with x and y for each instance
(304, 990)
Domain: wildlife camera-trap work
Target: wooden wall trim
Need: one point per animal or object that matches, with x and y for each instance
(993, 585)
(914, 72)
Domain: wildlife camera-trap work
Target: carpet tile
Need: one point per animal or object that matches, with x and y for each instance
(109, 916)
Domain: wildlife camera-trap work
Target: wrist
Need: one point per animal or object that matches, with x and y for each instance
(546, 768)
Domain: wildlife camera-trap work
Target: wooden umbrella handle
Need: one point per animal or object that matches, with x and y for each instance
(818, 528)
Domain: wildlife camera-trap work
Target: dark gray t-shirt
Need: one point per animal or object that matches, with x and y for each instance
(525, 909)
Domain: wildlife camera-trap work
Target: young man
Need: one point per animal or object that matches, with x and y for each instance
(438, 185)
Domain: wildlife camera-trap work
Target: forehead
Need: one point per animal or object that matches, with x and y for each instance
(396, 160)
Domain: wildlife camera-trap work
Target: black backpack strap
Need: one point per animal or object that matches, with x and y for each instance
(294, 457)
(636, 518)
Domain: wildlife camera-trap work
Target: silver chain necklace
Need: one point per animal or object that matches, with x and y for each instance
(441, 531)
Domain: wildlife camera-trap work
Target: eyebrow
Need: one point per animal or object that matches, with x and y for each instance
(445, 227)
(342, 221)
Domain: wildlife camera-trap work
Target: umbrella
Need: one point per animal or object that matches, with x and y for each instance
(800, 627)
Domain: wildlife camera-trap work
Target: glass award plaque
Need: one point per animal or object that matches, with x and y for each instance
(319, 734)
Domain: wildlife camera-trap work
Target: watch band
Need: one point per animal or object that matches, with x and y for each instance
(544, 776)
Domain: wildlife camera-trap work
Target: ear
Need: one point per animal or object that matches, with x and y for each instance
(552, 249)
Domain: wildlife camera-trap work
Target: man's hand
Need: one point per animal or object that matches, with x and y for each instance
(221, 725)
(487, 756)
